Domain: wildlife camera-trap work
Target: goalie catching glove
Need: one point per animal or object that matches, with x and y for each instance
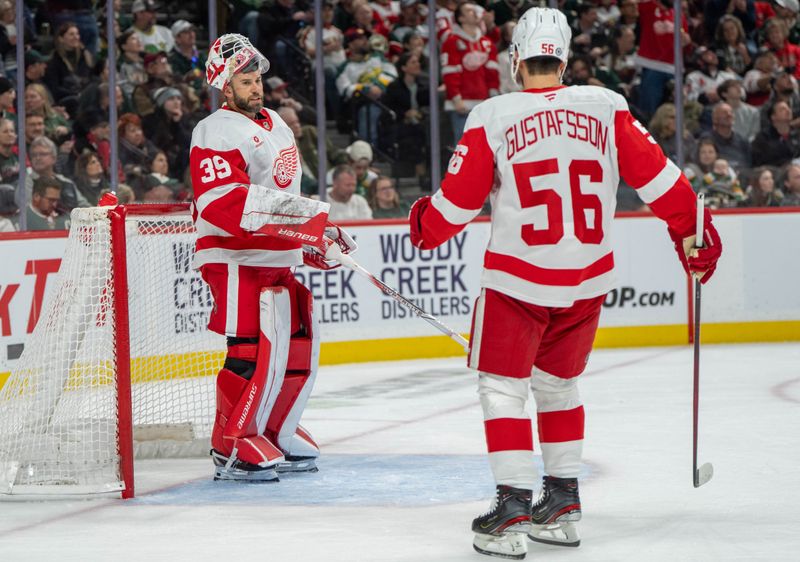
(699, 261)
(324, 257)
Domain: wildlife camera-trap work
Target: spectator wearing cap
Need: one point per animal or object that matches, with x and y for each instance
(360, 156)
(130, 62)
(9, 212)
(70, 69)
(78, 12)
(9, 161)
(276, 95)
(35, 67)
(90, 178)
(7, 96)
(701, 84)
(43, 155)
(746, 118)
(134, 148)
(345, 203)
(42, 212)
(364, 76)
(155, 38)
(279, 23)
(779, 143)
(169, 127)
(159, 75)
(408, 98)
(187, 62)
(788, 11)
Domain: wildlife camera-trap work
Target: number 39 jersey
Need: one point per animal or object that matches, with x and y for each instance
(551, 160)
(229, 153)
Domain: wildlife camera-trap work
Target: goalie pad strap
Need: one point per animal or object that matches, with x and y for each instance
(299, 353)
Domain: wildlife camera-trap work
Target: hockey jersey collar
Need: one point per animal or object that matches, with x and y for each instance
(545, 90)
(262, 118)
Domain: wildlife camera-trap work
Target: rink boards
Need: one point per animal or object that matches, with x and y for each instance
(753, 296)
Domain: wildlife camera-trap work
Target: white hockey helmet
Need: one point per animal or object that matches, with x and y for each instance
(540, 32)
(230, 54)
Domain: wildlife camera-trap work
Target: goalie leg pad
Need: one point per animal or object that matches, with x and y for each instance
(295, 441)
(244, 405)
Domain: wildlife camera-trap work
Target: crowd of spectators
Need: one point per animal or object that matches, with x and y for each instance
(740, 141)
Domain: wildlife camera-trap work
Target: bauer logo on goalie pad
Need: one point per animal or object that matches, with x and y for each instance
(297, 235)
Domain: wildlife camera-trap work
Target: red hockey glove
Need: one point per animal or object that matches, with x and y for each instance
(108, 200)
(702, 261)
(319, 258)
(415, 221)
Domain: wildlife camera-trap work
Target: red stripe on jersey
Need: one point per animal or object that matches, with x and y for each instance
(678, 207)
(508, 434)
(560, 426)
(213, 168)
(470, 174)
(544, 276)
(249, 243)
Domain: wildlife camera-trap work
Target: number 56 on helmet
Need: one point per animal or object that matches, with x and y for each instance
(231, 54)
(540, 32)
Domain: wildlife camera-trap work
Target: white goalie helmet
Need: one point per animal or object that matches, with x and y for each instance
(540, 32)
(230, 54)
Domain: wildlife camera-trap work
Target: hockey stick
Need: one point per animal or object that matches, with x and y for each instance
(704, 473)
(348, 261)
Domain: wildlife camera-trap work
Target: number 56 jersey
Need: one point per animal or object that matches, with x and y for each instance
(551, 160)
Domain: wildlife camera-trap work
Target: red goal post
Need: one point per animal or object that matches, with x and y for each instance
(120, 362)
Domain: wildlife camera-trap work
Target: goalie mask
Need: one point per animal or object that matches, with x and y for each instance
(231, 54)
(540, 32)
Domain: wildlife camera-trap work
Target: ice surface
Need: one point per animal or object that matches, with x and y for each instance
(404, 473)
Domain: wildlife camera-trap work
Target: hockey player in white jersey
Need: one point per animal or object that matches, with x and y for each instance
(251, 226)
(550, 158)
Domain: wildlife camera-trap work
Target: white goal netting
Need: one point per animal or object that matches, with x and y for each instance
(59, 409)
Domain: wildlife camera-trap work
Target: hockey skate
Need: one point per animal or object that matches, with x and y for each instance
(554, 514)
(230, 468)
(500, 531)
(297, 464)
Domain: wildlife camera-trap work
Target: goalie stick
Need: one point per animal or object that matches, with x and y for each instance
(335, 253)
(704, 473)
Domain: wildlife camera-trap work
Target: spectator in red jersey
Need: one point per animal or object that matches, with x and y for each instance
(758, 80)
(776, 35)
(469, 67)
(656, 54)
(764, 11)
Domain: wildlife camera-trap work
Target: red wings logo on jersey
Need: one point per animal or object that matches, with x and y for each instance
(285, 167)
(474, 60)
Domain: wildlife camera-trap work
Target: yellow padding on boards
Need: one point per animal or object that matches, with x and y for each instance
(200, 364)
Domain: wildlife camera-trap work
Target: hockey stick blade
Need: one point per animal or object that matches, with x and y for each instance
(349, 262)
(703, 474)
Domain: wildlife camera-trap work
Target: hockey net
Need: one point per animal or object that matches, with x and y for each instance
(103, 375)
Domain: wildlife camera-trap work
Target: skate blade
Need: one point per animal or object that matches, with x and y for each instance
(254, 476)
(306, 465)
(558, 534)
(510, 546)
(703, 474)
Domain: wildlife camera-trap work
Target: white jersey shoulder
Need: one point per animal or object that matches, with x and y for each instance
(266, 147)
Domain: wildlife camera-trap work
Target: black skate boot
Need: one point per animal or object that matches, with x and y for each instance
(499, 532)
(554, 514)
(231, 468)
